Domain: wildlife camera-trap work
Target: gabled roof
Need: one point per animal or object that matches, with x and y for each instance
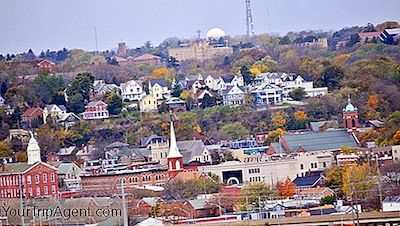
(67, 115)
(190, 148)
(94, 103)
(30, 111)
(144, 141)
(20, 167)
(66, 151)
(50, 106)
(174, 100)
(160, 82)
(152, 201)
(227, 78)
(198, 204)
(307, 181)
(64, 168)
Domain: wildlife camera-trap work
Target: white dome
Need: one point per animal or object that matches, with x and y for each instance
(215, 33)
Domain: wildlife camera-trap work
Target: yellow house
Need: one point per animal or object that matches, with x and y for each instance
(159, 89)
(148, 104)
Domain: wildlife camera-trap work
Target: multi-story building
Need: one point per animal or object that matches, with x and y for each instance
(159, 89)
(267, 94)
(30, 179)
(233, 96)
(148, 104)
(270, 170)
(70, 176)
(201, 50)
(132, 90)
(95, 110)
(54, 112)
(32, 117)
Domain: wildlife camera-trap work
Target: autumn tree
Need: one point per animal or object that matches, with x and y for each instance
(5, 149)
(274, 135)
(114, 103)
(279, 119)
(253, 195)
(286, 188)
(359, 180)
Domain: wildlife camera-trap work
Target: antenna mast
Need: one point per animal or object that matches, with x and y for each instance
(95, 37)
(249, 20)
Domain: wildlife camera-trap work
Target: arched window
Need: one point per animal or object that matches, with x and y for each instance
(353, 123)
(178, 165)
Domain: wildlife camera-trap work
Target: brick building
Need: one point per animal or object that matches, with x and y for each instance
(32, 117)
(34, 178)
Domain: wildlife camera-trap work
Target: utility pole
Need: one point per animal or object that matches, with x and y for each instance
(379, 182)
(21, 201)
(124, 211)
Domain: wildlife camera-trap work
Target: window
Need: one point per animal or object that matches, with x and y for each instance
(52, 177)
(36, 179)
(45, 190)
(29, 179)
(44, 178)
(324, 164)
(38, 191)
(301, 166)
(53, 189)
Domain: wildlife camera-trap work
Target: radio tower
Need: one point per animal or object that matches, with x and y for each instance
(249, 20)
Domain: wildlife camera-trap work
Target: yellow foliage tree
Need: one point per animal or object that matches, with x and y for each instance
(396, 137)
(359, 181)
(300, 116)
(5, 149)
(341, 58)
(273, 136)
(185, 94)
(286, 188)
(163, 73)
(279, 119)
(258, 68)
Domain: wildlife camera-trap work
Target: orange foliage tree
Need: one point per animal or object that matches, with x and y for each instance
(286, 188)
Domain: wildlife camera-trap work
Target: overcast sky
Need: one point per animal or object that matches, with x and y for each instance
(54, 24)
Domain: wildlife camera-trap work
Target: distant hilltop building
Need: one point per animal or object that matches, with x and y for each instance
(122, 50)
(214, 45)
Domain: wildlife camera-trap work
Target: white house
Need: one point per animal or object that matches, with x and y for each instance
(69, 119)
(233, 96)
(211, 81)
(132, 90)
(54, 111)
(227, 81)
(267, 94)
(391, 204)
(70, 176)
(101, 88)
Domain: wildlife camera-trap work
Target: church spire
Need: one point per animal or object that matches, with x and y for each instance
(173, 148)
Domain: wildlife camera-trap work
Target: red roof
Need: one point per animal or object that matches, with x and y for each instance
(32, 111)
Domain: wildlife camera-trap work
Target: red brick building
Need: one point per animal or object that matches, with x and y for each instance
(37, 180)
(108, 184)
(350, 116)
(32, 117)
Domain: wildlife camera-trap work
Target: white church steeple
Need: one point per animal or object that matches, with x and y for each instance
(173, 148)
(33, 151)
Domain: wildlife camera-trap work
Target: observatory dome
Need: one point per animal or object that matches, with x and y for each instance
(215, 33)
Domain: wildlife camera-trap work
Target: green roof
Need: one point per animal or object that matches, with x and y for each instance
(14, 168)
(320, 141)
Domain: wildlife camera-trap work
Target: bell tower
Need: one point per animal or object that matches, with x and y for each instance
(350, 116)
(174, 158)
(33, 151)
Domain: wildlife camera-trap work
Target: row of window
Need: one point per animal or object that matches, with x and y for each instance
(13, 193)
(314, 165)
(255, 179)
(14, 179)
(144, 178)
(255, 170)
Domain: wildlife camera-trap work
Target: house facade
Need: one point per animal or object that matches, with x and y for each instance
(132, 90)
(159, 89)
(233, 97)
(267, 94)
(148, 104)
(96, 110)
(53, 111)
(32, 117)
(146, 59)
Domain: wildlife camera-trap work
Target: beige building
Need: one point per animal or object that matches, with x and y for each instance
(268, 169)
(199, 51)
(148, 104)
